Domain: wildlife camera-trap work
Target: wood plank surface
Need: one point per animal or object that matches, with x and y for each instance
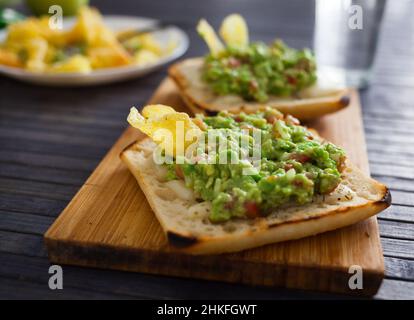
(109, 224)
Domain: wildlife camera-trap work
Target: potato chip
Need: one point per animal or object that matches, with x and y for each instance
(234, 31)
(206, 31)
(77, 63)
(143, 57)
(175, 130)
(156, 110)
(88, 45)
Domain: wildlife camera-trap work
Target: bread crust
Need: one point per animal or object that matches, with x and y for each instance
(260, 231)
(202, 98)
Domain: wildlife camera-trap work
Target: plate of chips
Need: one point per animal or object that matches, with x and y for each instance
(89, 49)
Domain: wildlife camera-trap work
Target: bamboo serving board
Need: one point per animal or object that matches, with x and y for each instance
(109, 224)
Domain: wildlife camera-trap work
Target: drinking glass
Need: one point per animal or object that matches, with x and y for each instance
(345, 39)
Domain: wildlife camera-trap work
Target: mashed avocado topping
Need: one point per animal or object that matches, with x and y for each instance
(257, 70)
(293, 165)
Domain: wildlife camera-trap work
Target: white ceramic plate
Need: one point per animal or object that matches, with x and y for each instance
(108, 75)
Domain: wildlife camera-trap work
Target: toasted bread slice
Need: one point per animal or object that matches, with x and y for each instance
(310, 103)
(186, 224)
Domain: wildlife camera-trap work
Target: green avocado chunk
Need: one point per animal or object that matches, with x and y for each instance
(291, 165)
(258, 70)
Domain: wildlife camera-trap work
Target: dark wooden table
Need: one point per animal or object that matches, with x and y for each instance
(51, 139)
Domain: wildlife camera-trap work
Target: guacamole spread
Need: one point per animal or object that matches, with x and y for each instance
(257, 70)
(294, 165)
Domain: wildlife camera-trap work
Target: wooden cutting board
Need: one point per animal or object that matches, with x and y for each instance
(109, 224)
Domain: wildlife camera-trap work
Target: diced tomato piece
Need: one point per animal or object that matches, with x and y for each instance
(291, 80)
(252, 209)
(233, 62)
(298, 183)
(237, 119)
(300, 157)
(271, 118)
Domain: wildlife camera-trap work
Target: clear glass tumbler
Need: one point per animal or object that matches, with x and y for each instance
(345, 39)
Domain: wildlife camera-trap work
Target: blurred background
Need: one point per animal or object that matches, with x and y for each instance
(383, 48)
